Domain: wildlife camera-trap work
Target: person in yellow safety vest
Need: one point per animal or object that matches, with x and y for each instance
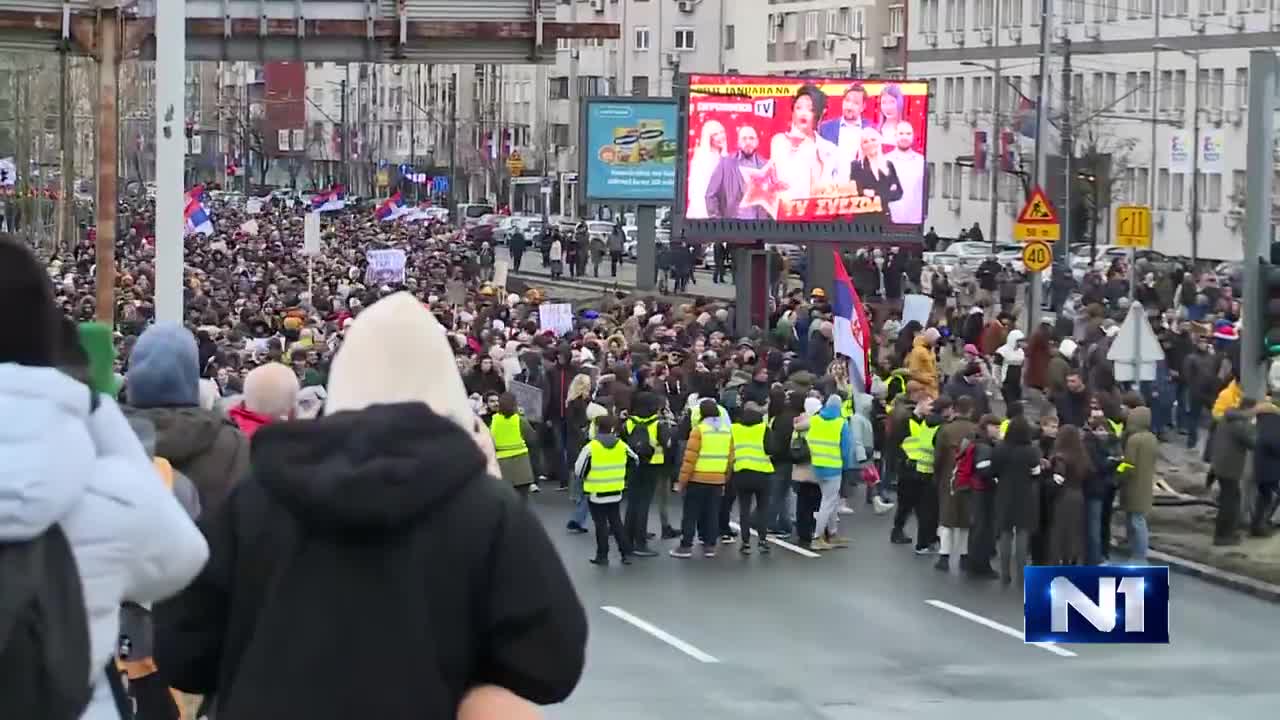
(704, 471)
(649, 437)
(830, 449)
(602, 465)
(895, 385)
(752, 470)
(512, 438)
(917, 491)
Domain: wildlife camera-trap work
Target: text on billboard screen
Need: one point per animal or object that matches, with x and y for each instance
(806, 149)
(631, 150)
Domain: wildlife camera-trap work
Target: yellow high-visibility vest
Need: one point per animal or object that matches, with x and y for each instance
(608, 472)
(658, 458)
(899, 377)
(1004, 428)
(918, 446)
(748, 448)
(824, 442)
(1117, 427)
(846, 409)
(695, 415)
(717, 443)
(508, 440)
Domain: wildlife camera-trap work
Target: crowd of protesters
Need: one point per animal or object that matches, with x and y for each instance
(288, 416)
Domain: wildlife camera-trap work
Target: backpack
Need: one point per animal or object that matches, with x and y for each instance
(964, 476)
(638, 441)
(44, 630)
(800, 454)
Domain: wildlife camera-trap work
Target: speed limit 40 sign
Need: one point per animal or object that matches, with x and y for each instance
(1037, 256)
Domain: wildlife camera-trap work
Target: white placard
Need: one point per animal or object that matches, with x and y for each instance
(385, 267)
(556, 317)
(250, 228)
(500, 274)
(918, 308)
(311, 234)
(253, 206)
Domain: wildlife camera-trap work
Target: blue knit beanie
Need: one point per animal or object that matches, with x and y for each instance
(164, 368)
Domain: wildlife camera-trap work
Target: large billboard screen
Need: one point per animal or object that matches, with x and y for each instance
(629, 150)
(763, 153)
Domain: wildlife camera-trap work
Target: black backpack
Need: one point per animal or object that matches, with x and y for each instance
(638, 441)
(44, 630)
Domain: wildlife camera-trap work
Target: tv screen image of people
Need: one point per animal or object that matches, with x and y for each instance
(806, 149)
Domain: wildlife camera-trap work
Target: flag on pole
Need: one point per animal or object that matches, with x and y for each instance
(333, 199)
(852, 331)
(197, 218)
(391, 208)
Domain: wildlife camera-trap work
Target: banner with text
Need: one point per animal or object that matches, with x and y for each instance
(630, 152)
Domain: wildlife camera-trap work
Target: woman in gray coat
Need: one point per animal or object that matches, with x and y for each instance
(1018, 468)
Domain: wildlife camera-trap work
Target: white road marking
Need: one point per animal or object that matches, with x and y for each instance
(780, 543)
(661, 634)
(998, 627)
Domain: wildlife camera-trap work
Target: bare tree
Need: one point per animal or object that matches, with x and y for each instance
(1102, 154)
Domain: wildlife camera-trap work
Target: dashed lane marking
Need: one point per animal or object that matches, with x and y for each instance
(661, 634)
(998, 627)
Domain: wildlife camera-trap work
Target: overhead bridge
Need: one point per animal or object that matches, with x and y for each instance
(416, 31)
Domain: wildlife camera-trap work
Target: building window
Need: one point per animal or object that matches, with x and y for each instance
(1238, 182)
(728, 37)
(1210, 187)
(897, 21)
(642, 38)
(842, 26)
(1179, 89)
(1218, 87)
(559, 134)
(1242, 87)
(1142, 186)
(684, 39)
(946, 180)
(1011, 13)
(859, 23)
(1131, 91)
(1146, 93)
(811, 25)
(559, 88)
(929, 16)
(984, 14)
(928, 178)
(640, 85)
(1177, 190)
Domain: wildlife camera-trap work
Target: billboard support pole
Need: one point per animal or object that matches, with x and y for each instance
(820, 268)
(646, 247)
(1034, 289)
(1263, 73)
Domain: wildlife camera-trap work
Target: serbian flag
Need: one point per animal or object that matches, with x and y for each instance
(391, 208)
(853, 331)
(197, 218)
(330, 200)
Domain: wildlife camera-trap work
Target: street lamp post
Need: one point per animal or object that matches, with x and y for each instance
(1195, 55)
(857, 60)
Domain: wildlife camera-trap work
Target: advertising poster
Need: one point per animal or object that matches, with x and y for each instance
(806, 149)
(1179, 160)
(1212, 151)
(631, 150)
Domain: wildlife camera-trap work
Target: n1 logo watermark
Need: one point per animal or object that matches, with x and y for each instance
(1102, 604)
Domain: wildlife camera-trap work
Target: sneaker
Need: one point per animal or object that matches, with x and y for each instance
(626, 559)
(745, 549)
(897, 537)
(681, 552)
(709, 552)
(765, 549)
(837, 541)
(534, 488)
(575, 528)
(728, 539)
(927, 550)
(670, 533)
(821, 545)
(881, 506)
(845, 509)
(943, 564)
(602, 561)
(644, 553)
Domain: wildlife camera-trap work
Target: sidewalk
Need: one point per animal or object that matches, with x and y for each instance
(532, 270)
(1182, 536)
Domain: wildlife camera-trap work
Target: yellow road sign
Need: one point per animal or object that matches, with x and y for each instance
(1037, 256)
(515, 164)
(1133, 226)
(1031, 233)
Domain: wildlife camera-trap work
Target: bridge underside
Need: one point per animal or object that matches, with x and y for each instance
(335, 40)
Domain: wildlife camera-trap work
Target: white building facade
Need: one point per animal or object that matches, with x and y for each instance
(1136, 66)
(820, 37)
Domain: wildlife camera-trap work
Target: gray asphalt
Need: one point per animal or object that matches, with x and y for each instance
(850, 636)
(532, 270)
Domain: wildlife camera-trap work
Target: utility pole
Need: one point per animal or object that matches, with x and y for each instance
(244, 135)
(108, 31)
(345, 137)
(1155, 126)
(1195, 166)
(413, 130)
(1034, 290)
(453, 146)
(1068, 153)
(66, 116)
(993, 142)
(1257, 218)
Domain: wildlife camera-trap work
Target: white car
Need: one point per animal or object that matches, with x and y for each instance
(949, 262)
(969, 255)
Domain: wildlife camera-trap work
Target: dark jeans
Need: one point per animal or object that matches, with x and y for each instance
(615, 259)
(1263, 507)
(1228, 507)
(1191, 421)
(726, 506)
(918, 494)
(555, 463)
(608, 521)
(640, 489)
(753, 493)
(779, 498)
(701, 514)
(808, 500)
(1108, 505)
(982, 528)
(717, 275)
(516, 257)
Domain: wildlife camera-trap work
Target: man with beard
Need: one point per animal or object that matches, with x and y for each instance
(728, 183)
(909, 164)
(845, 132)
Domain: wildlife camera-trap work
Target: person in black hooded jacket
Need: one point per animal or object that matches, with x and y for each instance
(372, 564)
(777, 443)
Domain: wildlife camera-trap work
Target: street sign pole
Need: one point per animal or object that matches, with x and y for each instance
(1257, 219)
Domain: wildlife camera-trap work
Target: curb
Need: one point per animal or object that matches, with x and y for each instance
(1224, 578)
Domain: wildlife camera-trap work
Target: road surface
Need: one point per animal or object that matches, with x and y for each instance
(875, 632)
(533, 271)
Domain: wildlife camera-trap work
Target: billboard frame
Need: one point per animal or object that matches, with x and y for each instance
(584, 149)
(749, 232)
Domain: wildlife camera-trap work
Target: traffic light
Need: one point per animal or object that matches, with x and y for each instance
(1269, 288)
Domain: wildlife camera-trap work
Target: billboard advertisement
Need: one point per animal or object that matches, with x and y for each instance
(629, 150)
(777, 151)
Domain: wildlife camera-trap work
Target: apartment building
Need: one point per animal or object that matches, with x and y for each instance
(1141, 73)
(820, 37)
